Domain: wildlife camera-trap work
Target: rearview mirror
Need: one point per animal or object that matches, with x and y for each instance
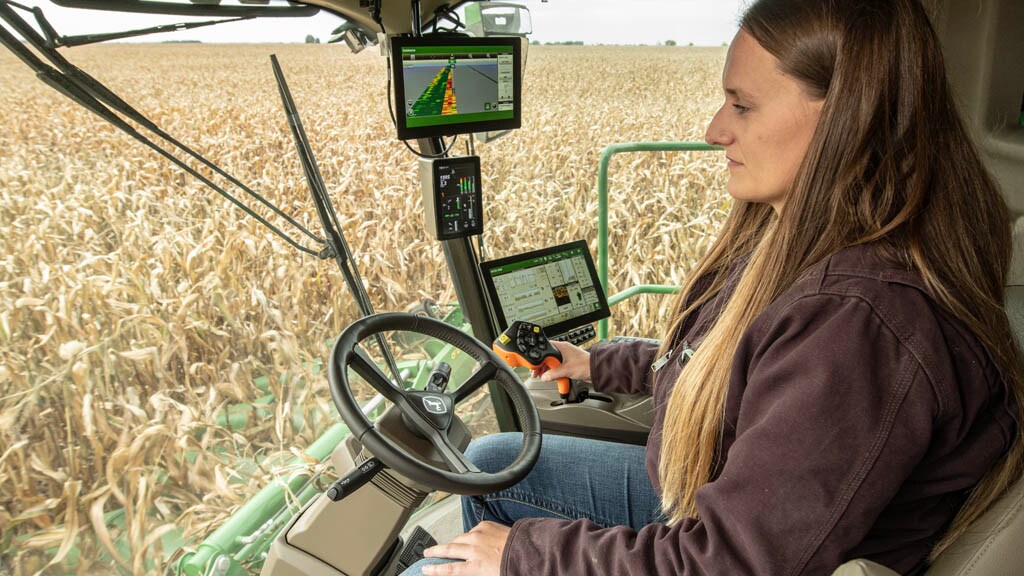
(354, 36)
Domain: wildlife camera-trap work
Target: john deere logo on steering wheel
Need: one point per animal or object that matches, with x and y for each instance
(433, 404)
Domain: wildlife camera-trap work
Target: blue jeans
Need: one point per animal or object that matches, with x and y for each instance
(574, 478)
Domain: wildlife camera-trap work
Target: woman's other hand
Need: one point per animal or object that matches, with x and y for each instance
(575, 364)
(481, 548)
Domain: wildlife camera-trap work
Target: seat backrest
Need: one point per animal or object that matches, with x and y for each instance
(1015, 284)
(995, 543)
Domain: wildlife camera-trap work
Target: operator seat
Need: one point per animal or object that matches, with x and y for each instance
(993, 545)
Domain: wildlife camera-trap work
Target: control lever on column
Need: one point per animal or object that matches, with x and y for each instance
(438, 380)
(524, 345)
(355, 479)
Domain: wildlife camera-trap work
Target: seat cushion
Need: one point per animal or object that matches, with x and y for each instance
(992, 545)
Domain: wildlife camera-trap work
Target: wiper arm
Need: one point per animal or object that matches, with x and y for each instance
(54, 40)
(328, 217)
(288, 9)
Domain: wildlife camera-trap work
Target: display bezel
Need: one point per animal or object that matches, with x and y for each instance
(552, 330)
(398, 80)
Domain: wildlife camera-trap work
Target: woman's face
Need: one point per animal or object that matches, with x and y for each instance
(765, 124)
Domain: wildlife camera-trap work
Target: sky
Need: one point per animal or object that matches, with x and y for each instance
(702, 22)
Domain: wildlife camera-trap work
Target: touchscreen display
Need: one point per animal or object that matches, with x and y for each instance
(556, 288)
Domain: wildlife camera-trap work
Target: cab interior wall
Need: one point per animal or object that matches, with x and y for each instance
(984, 51)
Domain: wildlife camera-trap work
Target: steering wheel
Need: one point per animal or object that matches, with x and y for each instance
(430, 413)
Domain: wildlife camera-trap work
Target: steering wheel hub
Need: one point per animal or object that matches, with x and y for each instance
(437, 408)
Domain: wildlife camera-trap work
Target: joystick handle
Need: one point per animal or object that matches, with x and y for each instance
(525, 345)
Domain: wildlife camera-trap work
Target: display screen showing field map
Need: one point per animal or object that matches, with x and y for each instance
(457, 84)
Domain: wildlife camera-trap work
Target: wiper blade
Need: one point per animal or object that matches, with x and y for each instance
(94, 96)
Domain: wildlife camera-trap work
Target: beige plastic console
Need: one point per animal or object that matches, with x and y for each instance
(357, 536)
(617, 417)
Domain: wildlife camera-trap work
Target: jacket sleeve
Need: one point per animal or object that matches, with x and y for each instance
(835, 414)
(622, 367)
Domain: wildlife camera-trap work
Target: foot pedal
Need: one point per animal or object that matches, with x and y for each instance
(418, 541)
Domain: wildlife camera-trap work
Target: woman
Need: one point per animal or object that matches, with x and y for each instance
(855, 390)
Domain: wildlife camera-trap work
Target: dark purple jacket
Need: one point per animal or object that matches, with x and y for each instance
(858, 416)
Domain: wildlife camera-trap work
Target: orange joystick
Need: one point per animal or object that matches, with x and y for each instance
(524, 345)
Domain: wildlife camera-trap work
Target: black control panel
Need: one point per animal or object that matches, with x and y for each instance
(451, 196)
(578, 336)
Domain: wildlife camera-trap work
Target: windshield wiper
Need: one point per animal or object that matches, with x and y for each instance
(263, 9)
(336, 243)
(91, 94)
(55, 40)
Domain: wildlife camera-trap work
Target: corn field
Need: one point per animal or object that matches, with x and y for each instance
(136, 305)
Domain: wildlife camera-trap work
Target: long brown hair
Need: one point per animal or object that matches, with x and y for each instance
(891, 164)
